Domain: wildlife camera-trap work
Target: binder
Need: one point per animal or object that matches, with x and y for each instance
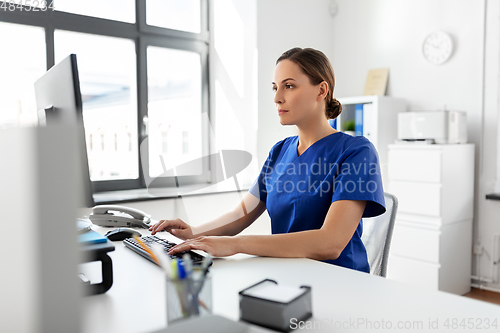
(370, 122)
(358, 120)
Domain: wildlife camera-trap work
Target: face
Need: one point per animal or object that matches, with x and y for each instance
(297, 100)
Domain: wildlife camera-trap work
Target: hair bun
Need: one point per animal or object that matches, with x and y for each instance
(333, 109)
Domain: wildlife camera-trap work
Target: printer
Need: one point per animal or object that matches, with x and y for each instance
(433, 126)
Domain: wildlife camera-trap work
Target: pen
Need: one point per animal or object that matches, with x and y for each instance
(188, 267)
(183, 288)
(181, 270)
(163, 258)
(147, 249)
(181, 293)
(188, 264)
(204, 266)
(174, 270)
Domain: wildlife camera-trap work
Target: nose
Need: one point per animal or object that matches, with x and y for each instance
(278, 97)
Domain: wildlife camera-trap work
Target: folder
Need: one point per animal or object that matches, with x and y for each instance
(92, 237)
(358, 120)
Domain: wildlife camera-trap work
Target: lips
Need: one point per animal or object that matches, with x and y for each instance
(281, 111)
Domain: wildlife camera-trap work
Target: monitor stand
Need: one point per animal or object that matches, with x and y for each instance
(99, 252)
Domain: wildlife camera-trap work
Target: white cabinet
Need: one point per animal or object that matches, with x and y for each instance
(380, 121)
(432, 240)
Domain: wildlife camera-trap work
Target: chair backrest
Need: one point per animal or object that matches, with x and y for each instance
(377, 235)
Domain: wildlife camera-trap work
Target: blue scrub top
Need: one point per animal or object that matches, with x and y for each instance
(298, 190)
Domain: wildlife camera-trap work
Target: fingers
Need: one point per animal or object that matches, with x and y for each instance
(180, 248)
(180, 233)
(166, 225)
(157, 227)
(193, 244)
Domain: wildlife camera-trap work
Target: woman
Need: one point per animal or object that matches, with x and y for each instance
(316, 186)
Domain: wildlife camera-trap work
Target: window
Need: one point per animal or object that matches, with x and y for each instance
(143, 79)
(108, 86)
(129, 137)
(102, 142)
(185, 142)
(181, 15)
(174, 100)
(164, 142)
(118, 10)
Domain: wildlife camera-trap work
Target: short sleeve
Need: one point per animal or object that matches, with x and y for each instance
(358, 177)
(258, 188)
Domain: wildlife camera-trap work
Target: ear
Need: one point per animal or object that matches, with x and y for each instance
(322, 91)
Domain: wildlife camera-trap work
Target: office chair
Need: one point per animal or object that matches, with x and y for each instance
(377, 234)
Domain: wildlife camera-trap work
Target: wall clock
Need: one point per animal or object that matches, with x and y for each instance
(438, 47)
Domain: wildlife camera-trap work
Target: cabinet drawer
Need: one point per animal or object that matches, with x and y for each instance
(416, 243)
(415, 165)
(417, 198)
(414, 272)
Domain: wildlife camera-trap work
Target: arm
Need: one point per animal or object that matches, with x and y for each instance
(229, 224)
(328, 242)
(235, 221)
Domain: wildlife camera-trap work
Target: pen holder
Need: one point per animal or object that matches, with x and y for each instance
(189, 297)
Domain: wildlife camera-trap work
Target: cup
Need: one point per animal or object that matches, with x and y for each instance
(189, 297)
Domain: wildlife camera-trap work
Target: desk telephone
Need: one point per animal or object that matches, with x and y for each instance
(119, 216)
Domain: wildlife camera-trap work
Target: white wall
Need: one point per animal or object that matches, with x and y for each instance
(367, 34)
(282, 25)
(487, 218)
(233, 92)
(389, 33)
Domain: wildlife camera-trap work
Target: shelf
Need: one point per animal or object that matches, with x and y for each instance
(366, 99)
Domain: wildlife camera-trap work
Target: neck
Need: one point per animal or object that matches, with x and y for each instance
(313, 131)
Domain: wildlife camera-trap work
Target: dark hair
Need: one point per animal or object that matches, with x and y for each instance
(316, 65)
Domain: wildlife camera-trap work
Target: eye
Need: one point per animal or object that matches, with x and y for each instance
(274, 88)
(288, 86)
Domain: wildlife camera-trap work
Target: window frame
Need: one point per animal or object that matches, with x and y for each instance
(143, 36)
(178, 44)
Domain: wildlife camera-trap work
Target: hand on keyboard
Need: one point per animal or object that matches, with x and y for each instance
(176, 227)
(217, 246)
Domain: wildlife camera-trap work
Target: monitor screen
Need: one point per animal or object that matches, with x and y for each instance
(59, 101)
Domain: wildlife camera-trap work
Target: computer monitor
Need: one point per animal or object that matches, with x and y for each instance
(59, 101)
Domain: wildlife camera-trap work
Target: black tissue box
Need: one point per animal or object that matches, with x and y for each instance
(274, 306)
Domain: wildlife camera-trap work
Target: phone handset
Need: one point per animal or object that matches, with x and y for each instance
(119, 216)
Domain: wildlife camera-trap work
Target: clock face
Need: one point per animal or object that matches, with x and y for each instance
(438, 47)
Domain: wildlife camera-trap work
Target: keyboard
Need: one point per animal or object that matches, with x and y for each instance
(148, 240)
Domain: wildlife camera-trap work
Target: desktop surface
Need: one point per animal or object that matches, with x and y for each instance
(343, 300)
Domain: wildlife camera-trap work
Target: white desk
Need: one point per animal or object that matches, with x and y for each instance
(341, 298)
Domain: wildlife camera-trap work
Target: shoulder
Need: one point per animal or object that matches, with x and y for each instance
(348, 146)
(282, 145)
(356, 143)
(345, 142)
